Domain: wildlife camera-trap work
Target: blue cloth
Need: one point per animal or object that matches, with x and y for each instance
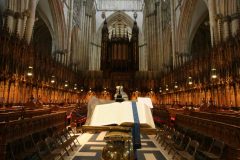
(136, 128)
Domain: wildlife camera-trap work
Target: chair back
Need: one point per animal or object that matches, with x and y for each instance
(192, 147)
(43, 149)
(179, 139)
(51, 143)
(217, 147)
(186, 141)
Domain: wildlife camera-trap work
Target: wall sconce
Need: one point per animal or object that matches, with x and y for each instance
(213, 73)
(75, 87)
(30, 71)
(167, 88)
(190, 82)
(176, 86)
(105, 90)
(160, 90)
(66, 84)
(81, 89)
(53, 79)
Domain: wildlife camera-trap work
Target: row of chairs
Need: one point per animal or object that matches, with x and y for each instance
(48, 144)
(186, 146)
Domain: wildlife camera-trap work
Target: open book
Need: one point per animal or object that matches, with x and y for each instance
(146, 100)
(121, 114)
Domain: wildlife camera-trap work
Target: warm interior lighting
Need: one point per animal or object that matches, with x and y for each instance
(75, 87)
(213, 73)
(175, 86)
(66, 84)
(160, 90)
(29, 72)
(105, 90)
(167, 88)
(81, 89)
(190, 81)
(53, 79)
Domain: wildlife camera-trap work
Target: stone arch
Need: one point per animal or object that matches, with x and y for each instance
(199, 16)
(112, 19)
(59, 24)
(187, 25)
(75, 47)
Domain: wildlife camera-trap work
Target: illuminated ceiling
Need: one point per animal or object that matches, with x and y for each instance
(119, 5)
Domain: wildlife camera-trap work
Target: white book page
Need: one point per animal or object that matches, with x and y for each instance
(146, 100)
(106, 114)
(118, 113)
(149, 117)
(126, 112)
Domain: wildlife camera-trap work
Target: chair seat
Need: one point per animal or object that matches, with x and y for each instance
(186, 155)
(211, 155)
(178, 147)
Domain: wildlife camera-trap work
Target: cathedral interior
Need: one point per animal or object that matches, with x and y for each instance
(56, 56)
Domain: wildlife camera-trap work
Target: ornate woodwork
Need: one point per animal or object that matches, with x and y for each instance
(228, 133)
(119, 55)
(17, 129)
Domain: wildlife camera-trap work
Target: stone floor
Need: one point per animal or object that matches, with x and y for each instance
(91, 146)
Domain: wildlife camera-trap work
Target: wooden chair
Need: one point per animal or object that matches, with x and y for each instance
(204, 146)
(178, 142)
(45, 153)
(68, 137)
(72, 134)
(167, 132)
(29, 146)
(171, 139)
(182, 146)
(54, 148)
(190, 151)
(160, 132)
(168, 135)
(215, 151)
(60, 143)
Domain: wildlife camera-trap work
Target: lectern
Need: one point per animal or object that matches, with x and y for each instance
(123, 121)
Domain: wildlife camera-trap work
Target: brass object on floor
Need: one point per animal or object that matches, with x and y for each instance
(118, 147)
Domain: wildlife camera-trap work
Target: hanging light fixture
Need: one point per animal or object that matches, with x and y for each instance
(176, 85)
(53, 79)
(190, 82)
(160, 90)
(167, 88)
(75, 86)
(30, 71)
(105, 90)
(213, 73)
(66, 84)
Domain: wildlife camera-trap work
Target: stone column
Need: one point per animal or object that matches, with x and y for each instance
(69, 53)
(10, 15)
(25, 15)
(152, 42)
(219, 26)
(161, 35)
(172, 6)
(213, 24)
(226, 27)
(30, 20)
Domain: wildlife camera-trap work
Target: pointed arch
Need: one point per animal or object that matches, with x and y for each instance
(59, 24)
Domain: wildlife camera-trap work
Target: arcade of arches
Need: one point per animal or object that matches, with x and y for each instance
(55, 55)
